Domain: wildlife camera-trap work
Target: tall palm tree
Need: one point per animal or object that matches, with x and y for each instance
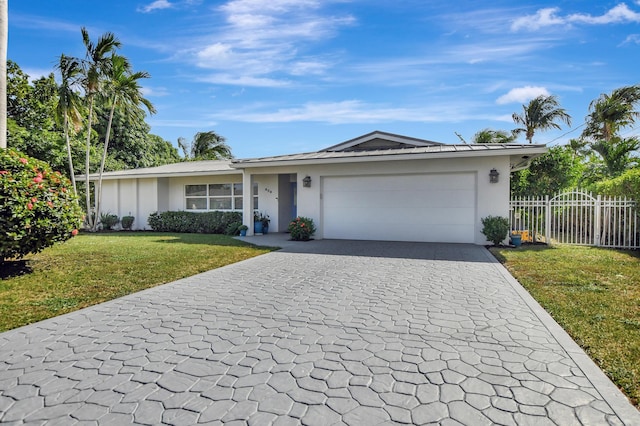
(493, 136)
(4, 36)
(206, 146)
(121, 89)
(69, 105)
(540, 114)
(96, 65)
(609, 113)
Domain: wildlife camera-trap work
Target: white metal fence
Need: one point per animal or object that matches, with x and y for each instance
(577, 217)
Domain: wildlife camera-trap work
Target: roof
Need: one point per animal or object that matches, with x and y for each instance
(520, 155)
(374, 146)
(380, 140)
(186, 168)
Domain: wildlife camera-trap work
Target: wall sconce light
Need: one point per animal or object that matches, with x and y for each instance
(306, 182)
(493, 176)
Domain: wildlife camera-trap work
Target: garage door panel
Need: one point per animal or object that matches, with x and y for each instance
(430, 207)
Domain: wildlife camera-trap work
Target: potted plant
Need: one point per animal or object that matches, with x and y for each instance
(243, 230)
(265, 223)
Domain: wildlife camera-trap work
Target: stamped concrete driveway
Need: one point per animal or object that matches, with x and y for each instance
(325, 332)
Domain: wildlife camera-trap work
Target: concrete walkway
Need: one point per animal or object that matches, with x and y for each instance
(323, 332)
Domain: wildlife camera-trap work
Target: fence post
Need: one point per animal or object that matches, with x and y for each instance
(597, 220)
(547, 221)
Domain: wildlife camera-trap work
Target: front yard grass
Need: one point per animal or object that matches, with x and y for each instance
(94, 268)
(594, 294)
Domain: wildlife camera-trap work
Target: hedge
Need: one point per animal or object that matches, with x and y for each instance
(190, 222)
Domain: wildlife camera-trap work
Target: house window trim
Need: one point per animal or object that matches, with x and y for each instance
(208, 196)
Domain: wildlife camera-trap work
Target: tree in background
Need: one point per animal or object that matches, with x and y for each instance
(494, 136)
(611, 154)
(541, 113)
(205, 146)
(68, 111)
(95, 66)
(555, 171)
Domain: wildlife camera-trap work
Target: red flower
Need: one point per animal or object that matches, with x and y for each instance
(74, 232)
(3, 172)
(38, 178)
(302, 225)
(34, 200)
(50, 203)
(30, 206)
(24, 160)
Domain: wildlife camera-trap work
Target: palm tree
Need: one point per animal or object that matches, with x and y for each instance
(205, 146)
(121, 89)
(607, 116)
(4, 35)
(96, 65)
(609, 113)
(540, 114)
(69, 104)
(493, 136)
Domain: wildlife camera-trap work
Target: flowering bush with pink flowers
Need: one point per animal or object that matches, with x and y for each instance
(37, 206)
(302, 229)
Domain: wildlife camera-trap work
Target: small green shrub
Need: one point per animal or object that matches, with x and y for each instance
(302, 229)
(127, 222)
(495, 228)
(233, 228)
(108, 221)
(191, 222)
(37, 206)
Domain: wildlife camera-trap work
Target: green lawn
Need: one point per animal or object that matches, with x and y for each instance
(594, 294)
(93, 268)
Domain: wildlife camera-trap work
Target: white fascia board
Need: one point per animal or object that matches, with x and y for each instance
(94, 178)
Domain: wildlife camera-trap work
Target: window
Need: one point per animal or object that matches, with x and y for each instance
(217, 196)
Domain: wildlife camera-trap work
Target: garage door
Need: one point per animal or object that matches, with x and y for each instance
(426, 207)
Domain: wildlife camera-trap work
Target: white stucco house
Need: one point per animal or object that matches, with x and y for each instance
(379, 186)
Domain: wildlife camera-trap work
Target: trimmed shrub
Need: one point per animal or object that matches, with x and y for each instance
(190, 222)
(302, 229)
(625, 185)
(495, 228)
(233, 229)
(127, 222)
(108, 221)
(37, 206)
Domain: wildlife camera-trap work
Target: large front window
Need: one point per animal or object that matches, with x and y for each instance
(217, 196)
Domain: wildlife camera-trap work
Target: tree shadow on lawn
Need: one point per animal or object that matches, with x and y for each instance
(14, 268)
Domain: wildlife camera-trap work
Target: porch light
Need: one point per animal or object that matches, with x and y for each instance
(306, 182)
(493, 176)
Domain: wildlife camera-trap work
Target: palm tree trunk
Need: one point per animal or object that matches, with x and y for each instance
(65, 126)
(104, 158)
(90, 220)
(4, 30)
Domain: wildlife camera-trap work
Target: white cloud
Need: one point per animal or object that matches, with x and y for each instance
(243, 80)
(263, 39)
(547, 17)
(156, 5)
(542, 18)
(618, 14)
(632, 39)
(354, 111)
(154, 91)
(522, 94)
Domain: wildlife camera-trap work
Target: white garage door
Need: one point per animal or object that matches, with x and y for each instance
(426, 207)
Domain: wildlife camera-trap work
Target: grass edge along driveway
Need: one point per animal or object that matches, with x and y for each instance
(94, 268)
(594, 294)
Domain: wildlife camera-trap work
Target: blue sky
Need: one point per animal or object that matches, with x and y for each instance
(284, 76)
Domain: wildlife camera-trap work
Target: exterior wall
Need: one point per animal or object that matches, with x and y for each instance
(492, 199)
(131, 197)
